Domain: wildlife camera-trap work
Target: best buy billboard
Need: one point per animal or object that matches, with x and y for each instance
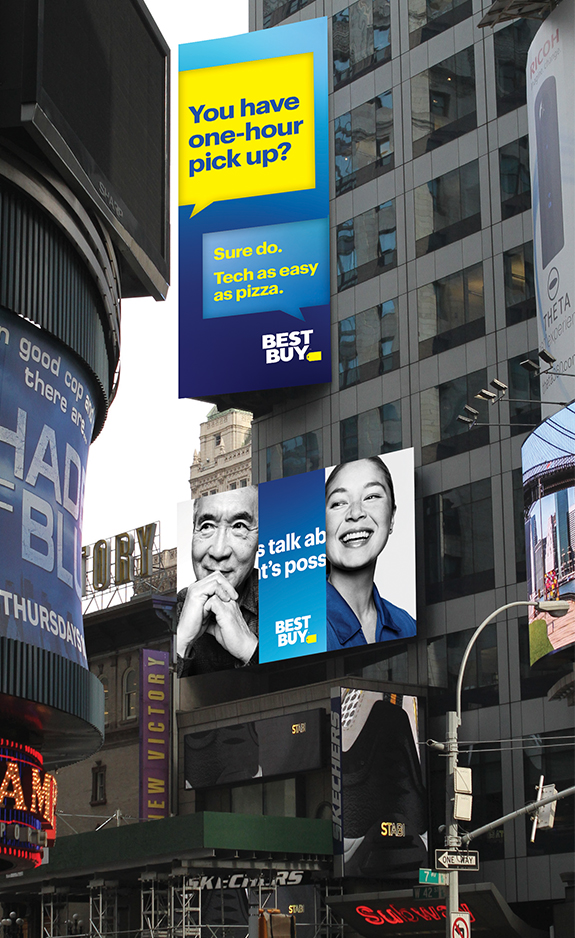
(254, 211)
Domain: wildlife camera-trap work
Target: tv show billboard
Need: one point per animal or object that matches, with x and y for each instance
(548, 461)
(47, 417)
(379, 802)
(254, 211)
(551, 113)
(315, 562)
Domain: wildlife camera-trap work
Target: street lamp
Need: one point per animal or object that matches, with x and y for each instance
(555, 608)
(12, 925)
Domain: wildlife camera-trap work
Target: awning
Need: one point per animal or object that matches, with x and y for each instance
(400, 915)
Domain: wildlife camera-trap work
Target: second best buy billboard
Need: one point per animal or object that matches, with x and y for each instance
(254, 211)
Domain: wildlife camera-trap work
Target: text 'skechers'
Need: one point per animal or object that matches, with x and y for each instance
(254, 211)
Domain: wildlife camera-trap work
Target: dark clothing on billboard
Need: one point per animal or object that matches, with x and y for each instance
(344, 628)
(206, 654)
(382, 782)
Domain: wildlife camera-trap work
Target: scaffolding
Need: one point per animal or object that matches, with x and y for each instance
(156, 908)
(54, 903)
(171, 907)
(103, 908)
(185, 908)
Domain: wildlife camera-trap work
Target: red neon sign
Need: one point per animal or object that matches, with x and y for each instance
(28, 798)
(394, 916)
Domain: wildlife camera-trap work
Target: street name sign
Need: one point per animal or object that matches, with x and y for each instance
(456, 860)
(432, 877)
(429, 892)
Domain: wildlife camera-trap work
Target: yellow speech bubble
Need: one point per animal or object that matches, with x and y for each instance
(246, 129)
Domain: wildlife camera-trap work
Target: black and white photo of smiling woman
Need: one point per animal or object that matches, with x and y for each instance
(361, 515)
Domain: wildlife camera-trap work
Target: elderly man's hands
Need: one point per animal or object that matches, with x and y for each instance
(214, 594)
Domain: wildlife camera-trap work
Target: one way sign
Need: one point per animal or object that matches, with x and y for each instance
(456, 860)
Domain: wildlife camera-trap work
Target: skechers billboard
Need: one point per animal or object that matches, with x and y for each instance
(46, 423)
(306, 564)
(254, 211)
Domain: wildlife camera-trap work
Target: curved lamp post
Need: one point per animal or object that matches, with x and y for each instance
(554, 607)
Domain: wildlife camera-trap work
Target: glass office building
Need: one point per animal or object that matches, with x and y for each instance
(433, 297)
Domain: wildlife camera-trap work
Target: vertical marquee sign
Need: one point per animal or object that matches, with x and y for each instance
(154, 734)
(254, 211)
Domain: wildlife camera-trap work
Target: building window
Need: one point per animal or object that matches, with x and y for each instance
(442, 434)
(519, 528)
(104, 682)
(233, 485)
(451, 311)
(519, 279)
(525, 387)
(373, 432)
(243, 483)
(366, 245)
(300, 454)
(510, 46)
(443, 102)
(368, 344)
(481, 678)
(364, 143)
(277, 10)
(551, 755)
(447, 208)
(217, 439)
(458, 542)
(514, 177)
(130, 695)
(361, 39)
(428, 18)
(98, 784)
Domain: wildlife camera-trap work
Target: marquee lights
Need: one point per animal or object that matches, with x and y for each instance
(28, 797)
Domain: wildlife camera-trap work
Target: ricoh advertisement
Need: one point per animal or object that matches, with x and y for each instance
(379, 802)
(551, 112)
(254, 211)
(322, 561)
(46, 422)
(548, 461)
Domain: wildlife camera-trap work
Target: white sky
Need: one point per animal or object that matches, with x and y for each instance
(138, 468)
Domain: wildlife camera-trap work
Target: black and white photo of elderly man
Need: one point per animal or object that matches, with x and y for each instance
(218, 613)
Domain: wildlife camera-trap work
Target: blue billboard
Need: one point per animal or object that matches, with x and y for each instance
(318, 562)
(254, 268)
(47, 416)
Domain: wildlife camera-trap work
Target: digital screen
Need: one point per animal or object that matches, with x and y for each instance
(259, 749)
(254, 211)
(379, 802)
(322, 561)
(548, 460)
(47, 416)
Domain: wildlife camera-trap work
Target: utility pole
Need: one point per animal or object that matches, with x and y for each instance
(453, 841)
